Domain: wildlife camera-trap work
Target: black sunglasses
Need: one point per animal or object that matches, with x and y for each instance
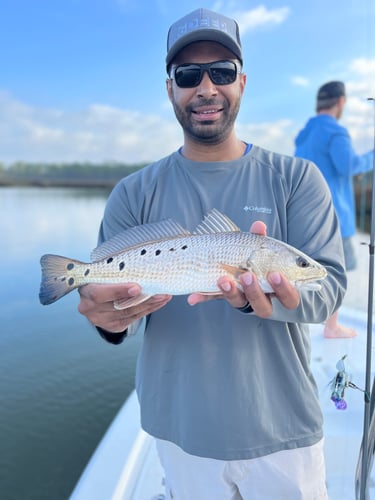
(190, 75)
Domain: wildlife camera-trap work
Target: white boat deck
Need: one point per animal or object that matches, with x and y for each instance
(126, 467)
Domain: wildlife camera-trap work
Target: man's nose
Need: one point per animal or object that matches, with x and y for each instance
(206, 86)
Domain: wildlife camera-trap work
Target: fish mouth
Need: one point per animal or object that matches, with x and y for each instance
(310, 283)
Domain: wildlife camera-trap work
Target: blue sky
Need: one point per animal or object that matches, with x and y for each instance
(84, 80)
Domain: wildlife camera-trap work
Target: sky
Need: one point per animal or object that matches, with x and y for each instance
(84, 80)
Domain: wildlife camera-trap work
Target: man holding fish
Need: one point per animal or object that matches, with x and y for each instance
(225, 386)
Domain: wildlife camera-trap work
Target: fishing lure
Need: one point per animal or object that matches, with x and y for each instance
(339, 383)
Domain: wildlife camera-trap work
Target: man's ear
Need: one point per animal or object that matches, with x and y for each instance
(169, 88)
(243, 82)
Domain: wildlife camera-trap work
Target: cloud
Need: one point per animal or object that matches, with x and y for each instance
(359, 111)
(300, 81)
(276, 136)
(105, 133)
(95, 134)
(358, 118)
(260, 17)
(101, 133)
(363, 66)
(360, 79)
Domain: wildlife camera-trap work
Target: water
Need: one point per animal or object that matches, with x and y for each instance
(60, 383)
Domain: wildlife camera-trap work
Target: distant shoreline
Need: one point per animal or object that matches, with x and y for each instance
(64, 183)
(363, 193)
(83, 175)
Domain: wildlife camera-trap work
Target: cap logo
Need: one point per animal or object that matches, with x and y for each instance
(193, 24)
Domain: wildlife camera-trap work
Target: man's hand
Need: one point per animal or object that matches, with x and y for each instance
(252, 293)
(97, 305)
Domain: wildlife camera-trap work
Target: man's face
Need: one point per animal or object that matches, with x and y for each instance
(340, 107)
(208, 111)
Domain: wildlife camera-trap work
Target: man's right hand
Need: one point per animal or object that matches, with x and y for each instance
(97, 305)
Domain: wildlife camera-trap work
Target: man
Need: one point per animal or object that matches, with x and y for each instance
(225, 386)
(325, 142)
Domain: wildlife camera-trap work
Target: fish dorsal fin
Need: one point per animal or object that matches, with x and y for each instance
(139, 234)
(216, 222)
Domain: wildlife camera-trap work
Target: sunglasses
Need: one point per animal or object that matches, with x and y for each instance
(190, 75)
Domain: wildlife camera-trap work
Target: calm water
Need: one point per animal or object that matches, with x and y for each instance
(60, 383)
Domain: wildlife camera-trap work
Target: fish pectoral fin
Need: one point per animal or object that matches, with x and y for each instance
(234, 271)
(119, 305)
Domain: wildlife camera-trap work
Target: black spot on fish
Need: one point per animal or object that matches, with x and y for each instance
(184, 247)
(171, 249)
(158, 252)
(70, 266)
(302, 262)
(71, 281)
(63, 278)
(87, 272)
(121, 266)
(109, 260)
(143, 252)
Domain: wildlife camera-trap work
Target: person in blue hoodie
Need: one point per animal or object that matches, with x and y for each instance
(328, 144)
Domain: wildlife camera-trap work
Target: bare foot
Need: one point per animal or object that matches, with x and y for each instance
(339, 332)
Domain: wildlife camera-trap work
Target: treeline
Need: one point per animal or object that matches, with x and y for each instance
(65, 174)
(107, 174)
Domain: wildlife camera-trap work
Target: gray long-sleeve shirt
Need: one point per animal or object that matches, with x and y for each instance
(215, 381)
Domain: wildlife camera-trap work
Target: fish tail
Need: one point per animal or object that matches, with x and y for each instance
(57, 278)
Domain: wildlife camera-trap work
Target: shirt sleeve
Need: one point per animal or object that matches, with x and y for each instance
(118, 338)
(367, 162)
(345, 158)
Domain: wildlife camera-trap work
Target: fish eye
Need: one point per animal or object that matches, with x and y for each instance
(302, 262)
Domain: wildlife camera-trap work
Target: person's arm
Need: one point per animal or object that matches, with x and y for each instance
(344, 157)
(367, 162)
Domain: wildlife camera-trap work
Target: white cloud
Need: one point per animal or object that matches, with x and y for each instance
(359, 112)
(300, 81)
(363, 66)
(101, 133)
(358, 118)
(259, 17)
(104, 133)
(361, 77)
(276, 136)
(97, 133)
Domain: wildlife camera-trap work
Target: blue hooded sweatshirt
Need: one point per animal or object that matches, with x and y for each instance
(325, 142)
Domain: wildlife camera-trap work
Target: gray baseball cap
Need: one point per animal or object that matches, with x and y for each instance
(203, 25)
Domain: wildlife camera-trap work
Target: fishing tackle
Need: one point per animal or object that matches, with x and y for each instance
(339, 383)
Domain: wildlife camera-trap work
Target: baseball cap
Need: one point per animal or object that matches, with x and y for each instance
(331, 90)
(203, 25)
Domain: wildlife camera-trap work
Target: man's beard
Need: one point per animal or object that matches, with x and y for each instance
(207, 131)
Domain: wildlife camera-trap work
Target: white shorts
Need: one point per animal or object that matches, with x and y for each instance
(286, 475)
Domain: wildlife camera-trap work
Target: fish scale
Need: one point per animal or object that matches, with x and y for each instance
(180, 263)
